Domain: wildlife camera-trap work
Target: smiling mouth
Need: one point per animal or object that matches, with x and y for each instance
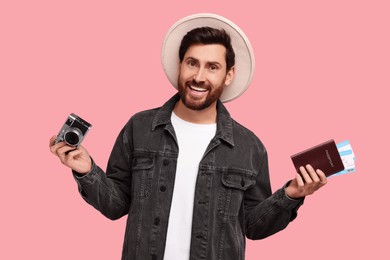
(198, 89)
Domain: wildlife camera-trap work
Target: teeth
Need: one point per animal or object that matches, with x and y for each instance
(198, 89)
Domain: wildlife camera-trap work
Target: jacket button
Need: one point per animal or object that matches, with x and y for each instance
(163, 188)
(157, 221)
(166, 162)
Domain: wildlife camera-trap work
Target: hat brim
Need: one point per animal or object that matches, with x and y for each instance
(244, 61)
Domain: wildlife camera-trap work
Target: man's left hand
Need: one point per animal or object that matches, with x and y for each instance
(306, 183)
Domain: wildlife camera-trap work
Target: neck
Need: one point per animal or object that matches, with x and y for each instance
(204, 116)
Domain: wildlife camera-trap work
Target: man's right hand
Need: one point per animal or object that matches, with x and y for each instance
(77, 159)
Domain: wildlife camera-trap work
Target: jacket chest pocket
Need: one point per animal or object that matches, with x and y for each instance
(142, 175)
(234, 184)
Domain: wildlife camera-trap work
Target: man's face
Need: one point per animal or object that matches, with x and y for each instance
(203, 75)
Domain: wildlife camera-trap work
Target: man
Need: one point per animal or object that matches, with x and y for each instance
(193, 181)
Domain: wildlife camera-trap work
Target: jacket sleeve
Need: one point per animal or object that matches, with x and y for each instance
(110, 192)
(267, 213)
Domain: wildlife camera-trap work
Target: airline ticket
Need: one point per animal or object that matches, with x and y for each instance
(347, 157)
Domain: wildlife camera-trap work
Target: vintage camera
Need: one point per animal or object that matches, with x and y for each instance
(73, 131)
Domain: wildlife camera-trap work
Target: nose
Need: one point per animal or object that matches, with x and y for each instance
(200, 75)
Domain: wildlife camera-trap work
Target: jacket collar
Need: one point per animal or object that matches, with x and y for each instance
(224, 121)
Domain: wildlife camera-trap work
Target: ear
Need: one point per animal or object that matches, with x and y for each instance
(230, 75)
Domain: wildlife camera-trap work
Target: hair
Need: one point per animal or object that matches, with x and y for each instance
(208, 35)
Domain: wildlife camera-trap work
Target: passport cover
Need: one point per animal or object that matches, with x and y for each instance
(324, 156)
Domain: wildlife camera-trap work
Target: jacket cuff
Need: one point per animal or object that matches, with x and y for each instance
(285, 201)
(284, 188)
(88, 178)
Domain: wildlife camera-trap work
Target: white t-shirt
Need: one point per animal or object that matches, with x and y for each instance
(193, 140)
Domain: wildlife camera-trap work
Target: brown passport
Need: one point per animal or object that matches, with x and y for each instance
(324, 156)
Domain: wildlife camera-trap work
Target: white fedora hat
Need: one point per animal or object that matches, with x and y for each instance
(244, 57)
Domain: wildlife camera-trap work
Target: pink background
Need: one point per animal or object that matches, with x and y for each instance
(322, 71)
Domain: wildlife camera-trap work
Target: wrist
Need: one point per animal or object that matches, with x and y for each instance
(85, 169)
(291, 193)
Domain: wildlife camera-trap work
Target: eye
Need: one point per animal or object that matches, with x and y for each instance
(213, 67)
(191, 63)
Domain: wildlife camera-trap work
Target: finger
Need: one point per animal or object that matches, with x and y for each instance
(63, 151)
(70, 156)
(312, 173)
(73, 153)
(305, 175)
(52, 140)
(300, 181)
(322, 176)
(57, 146)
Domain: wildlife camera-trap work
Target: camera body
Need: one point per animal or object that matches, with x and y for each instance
(73, 131)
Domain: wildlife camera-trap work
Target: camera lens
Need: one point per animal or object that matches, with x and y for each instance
(72, 136)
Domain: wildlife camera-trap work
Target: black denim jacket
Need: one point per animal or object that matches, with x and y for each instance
(233, 197)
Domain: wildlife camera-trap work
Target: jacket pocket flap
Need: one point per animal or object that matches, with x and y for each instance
(239, 179)
(142, 162)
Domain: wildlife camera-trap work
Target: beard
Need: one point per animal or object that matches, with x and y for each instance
(213, 95)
